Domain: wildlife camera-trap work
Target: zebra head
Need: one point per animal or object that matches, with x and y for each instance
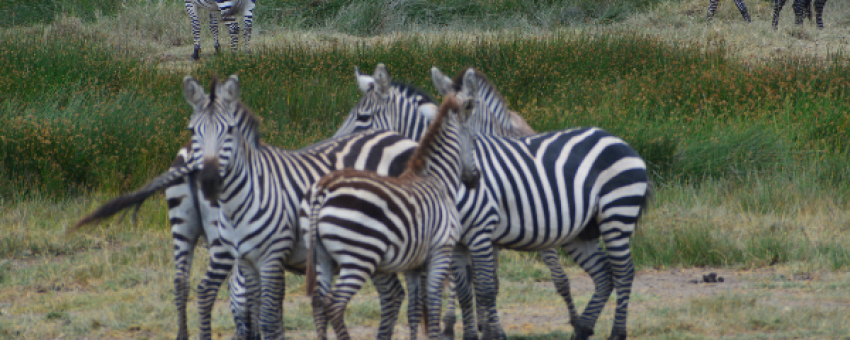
(459, 113)
(492, 115)
(215, 129)
(387, 105)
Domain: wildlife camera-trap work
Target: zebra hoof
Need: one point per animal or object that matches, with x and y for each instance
(197, 53)
(617, 336)
(582, 334)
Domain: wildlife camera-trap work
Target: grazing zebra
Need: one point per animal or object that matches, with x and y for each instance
(228, 9)
(559, 189)
(712, 7)
(802, 9)
(368, 225)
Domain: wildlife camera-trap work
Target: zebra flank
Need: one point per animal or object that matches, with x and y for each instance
(368, 225)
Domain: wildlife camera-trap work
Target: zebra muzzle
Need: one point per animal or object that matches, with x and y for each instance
(210, 180)
(470, 179)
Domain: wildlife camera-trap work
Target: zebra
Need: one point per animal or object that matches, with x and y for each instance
(189, 211)
(369, 225)
(802, 8)
(228, 9)
(712, 7)
(258, 187)
(558, 189)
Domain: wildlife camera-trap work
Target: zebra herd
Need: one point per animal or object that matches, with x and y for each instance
(802, 9)
(335, 207)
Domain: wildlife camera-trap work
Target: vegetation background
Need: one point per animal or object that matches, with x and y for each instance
(744, 129)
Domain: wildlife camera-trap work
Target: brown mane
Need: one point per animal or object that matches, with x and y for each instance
(417, 162)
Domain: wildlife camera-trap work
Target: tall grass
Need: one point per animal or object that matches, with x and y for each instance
(691, 114)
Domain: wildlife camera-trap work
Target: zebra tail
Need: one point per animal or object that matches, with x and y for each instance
(317, 201)
(133, 199)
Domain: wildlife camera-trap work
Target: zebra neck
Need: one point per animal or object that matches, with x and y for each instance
(236, 185)
(443, 159)
(497, 110)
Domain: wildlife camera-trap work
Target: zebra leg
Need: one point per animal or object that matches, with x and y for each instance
(438, 270)
(712, 7)
(461, 272)
(214, 30)
(392, 294)
(247, 22)
(243, 292)
(799, 11)
(185, 231)
(743, 9)
(623, 270)
(819, 4)
(559, 278)
(196, 28)
(349, 282)
(777, 8)
(415, 297)
(233, 27)
(587, 254)
(221, 262)
(321, 295)
(486, 288)
(272, 288)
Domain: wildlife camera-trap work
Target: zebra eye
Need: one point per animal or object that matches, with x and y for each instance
(363, 118)
(230, 129)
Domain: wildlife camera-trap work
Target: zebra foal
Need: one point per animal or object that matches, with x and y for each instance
(228, 10)
(371, 226)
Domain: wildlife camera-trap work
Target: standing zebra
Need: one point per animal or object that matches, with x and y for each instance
(712, 7)
(802, 9)
(259, 187)
(373, 226)
(559, 189)
(228, 9)
(189, 210)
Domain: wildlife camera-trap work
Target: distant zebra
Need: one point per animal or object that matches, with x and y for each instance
(802, 9)
(712, 7)
(373, 226)
(228, 9)
(558, 189)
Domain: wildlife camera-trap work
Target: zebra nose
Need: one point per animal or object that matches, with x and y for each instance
(210, 181)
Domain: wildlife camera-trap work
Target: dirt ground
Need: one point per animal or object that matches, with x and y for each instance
(652, 290)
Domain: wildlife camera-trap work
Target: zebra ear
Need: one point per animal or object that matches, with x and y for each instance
(444, 84)
(364, 82)
(429, 111)
(382, 79)
(193, 91)
(229, 91)
(470, 85)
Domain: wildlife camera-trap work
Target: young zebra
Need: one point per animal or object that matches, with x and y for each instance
(712, 7)
(558, 189)
(228, 9)
(372, 226)
(802, 9)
